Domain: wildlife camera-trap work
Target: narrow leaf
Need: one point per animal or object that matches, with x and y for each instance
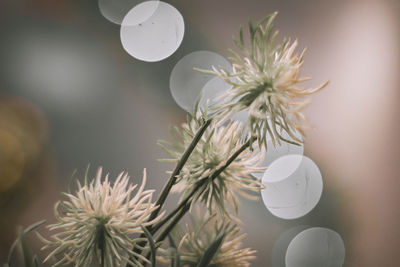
(33, 226)
(25, 250)
(152, 245)
(171, 241)
(35, 261)
(241, 36)
(70, 181)
(15, 243)
(86, 174)
(175, 259)
(211, 251)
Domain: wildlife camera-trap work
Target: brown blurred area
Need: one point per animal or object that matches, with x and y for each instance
(26, 164)
(70, 95)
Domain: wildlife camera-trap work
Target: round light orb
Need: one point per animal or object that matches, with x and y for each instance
(281, 244)
(212, 92)
(279, 150)
(297, 193)
(157, 37)
(281, 168)
(186, 83)
(316, 247)
(116, 10)
(240, 116)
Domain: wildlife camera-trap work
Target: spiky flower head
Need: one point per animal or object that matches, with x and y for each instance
(210, 236)
(263, 82)
(101, 222)
(212, 152)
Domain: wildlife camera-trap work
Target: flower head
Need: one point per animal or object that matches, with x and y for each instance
(212, 152)
(263, 82)
(98, 224)
(193, 243)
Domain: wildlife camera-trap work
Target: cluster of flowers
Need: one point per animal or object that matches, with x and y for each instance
(109, 225)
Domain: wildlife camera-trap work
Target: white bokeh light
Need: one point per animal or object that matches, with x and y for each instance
(240, 116)
(316, 247)
(212, 91)
(282, 243)
(186, 83)
(116, 10)
(279, 150)
(156, 38)
(296, 194)
(281, 168)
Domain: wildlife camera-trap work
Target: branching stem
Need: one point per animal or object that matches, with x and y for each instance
(172, 179)
(187, 199)
(167, 187)
(185, 204)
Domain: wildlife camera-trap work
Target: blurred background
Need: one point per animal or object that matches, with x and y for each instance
(70, 95)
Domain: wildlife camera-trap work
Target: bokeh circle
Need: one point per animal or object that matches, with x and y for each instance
(156, 38)
(115, 10)
(186, 83)
(316, 247)
(295, 195)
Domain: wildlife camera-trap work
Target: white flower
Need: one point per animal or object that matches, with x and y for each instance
(196, 240)
(263, 82)
(98, 224)
(212, 152)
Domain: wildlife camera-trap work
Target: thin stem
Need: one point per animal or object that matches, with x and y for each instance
(170, 226)
(177, 209)
(172, 179)
(200, 184)
(101, 241)
(185, 204)
(167, 187)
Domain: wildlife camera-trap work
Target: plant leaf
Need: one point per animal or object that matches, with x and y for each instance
(171, 241)
(86, 174)
(211, 251)
(26, 231)
(35, 261)
(70, 181)
(175, 259)
(25, 250)
(33, 226)
(152, 245)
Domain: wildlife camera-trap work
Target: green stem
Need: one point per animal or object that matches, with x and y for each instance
(167, 187)
(185, 204)
(199, 185)
(101, 239)
(172, 179)
(170, 226)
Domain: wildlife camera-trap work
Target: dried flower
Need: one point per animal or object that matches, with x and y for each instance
(193, 243)
(97, 225)
(263, 83)
(216, 146)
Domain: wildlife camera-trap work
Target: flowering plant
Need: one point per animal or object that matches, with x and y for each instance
(263, 83)
(109, 224)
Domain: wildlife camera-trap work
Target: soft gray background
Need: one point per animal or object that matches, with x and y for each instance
(62, 65)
